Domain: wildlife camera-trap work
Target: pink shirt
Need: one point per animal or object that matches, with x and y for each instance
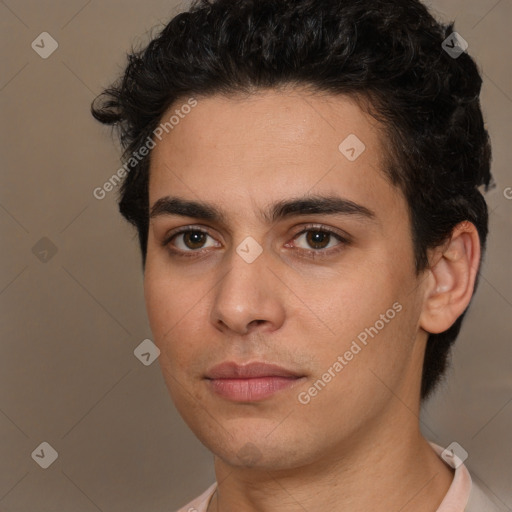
(464, 495)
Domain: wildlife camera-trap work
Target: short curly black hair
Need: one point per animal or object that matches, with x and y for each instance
(389, 52)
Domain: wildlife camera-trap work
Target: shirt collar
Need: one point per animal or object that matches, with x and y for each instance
(457, 496)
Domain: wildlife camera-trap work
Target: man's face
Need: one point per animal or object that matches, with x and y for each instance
(291, 294)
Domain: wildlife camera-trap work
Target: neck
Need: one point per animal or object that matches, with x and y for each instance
(380, 469)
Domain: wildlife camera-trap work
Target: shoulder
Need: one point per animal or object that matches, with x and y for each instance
(200, 504)
(467, 492)
(481, 499)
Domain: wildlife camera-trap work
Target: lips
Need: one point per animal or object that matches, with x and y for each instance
(231, 370)
(250, 382)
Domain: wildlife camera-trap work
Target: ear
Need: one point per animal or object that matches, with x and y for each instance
(451, 279)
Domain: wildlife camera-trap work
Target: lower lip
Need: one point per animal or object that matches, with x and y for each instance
(253, 389)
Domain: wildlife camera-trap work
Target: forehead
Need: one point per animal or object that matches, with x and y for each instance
(246, 150)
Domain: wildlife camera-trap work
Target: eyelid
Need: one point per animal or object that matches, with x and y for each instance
(184, 229)
(342, 235)
(344, 239)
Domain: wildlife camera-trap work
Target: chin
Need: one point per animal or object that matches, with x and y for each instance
(255, 451)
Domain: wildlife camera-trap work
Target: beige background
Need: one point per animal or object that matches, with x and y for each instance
(69, 325)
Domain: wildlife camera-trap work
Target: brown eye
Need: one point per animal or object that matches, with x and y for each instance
(190, 240)
(318, 239)
(316, 242)
(194, 239)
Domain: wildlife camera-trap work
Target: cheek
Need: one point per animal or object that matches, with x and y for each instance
(165, 304)
(175, 313)
(369, 373)
(371, 307)
(359, 299)
(158, 298)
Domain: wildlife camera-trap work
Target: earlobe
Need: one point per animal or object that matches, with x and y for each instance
(452, 279)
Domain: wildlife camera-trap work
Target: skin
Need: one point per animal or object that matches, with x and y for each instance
(356, 445)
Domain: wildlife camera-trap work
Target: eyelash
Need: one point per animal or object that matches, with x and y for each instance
(310, 253)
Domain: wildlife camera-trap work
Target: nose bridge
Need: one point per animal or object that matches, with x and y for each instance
(245, 294)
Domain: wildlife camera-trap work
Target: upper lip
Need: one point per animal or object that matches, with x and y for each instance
(232, 370)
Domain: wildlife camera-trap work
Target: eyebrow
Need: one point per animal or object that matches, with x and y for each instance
(308, 205)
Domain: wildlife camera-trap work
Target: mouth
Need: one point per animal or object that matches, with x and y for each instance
(251, 382)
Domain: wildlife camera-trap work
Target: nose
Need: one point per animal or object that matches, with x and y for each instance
(248, 297)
